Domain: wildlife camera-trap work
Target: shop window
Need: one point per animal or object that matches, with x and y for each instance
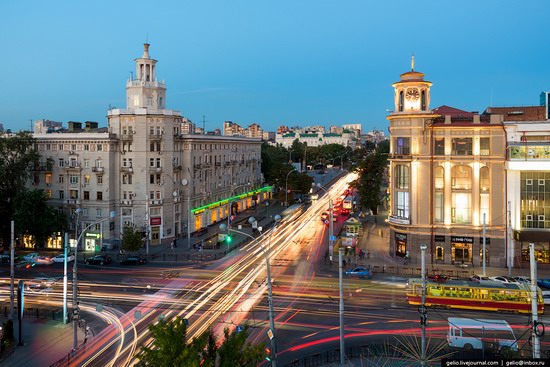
(439, 253)
(542, 252)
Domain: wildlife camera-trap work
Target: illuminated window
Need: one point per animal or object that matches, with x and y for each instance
(439, 146)
(462, 146)
(439, 253)
(484, 146)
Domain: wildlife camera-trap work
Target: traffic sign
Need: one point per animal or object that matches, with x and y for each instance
(332, 238)
(270, 334)
(239, 328)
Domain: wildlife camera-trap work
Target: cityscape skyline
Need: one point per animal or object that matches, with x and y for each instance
(272, 64)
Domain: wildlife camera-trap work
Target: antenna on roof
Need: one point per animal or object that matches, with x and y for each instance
(147, 37)
(412, 62)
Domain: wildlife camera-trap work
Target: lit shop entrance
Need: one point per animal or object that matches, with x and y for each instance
(461, 249)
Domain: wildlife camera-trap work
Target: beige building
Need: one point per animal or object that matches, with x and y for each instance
(144, 168)
(447, 178)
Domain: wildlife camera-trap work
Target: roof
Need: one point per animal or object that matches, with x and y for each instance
(525, 113)
(451, 111)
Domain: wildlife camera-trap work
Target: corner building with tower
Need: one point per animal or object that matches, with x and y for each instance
(447, 178)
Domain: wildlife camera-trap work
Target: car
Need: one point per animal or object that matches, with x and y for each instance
(477, 278)
(133, 260)
(504, 279)
(31, 256)
(522, 279)
(61, 258)
(98, 260)
(546, 297)
(438, 278)
(43, 260)
(544, 283)
(360, 272)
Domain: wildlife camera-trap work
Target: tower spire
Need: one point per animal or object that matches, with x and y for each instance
(412, 62)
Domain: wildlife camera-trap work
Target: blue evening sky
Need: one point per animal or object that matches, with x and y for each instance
(284, 62)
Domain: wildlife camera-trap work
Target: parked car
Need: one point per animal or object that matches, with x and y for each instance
(98, 260)
(504, 279)
(360, 272)
(61, 257)
(522, 279)
(477, 278)
(133, 260)
(544, 283)
(31, 256)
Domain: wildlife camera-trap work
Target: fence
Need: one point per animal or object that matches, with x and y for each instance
(415, 271)
(39, 313)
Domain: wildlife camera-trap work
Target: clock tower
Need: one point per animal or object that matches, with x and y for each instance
(412, 92)
(145, 91)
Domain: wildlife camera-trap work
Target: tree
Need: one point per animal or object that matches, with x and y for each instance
(132, 239)
(35, 218)
(17, 155)
(236, 351)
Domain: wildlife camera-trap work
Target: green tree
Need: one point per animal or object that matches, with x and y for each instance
(371, 172)
(132, 239)
(17, 155)
(34, 217)
(236, 351)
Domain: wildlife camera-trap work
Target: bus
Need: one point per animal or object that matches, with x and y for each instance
(292, 212)
(487, 295)
(471, 334)
(347, 204)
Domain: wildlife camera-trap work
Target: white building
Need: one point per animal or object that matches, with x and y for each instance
(316, 139)
(145, 169)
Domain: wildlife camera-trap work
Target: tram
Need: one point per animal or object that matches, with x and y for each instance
(485, 295)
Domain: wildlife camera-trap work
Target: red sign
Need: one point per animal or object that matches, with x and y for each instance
(155, 221)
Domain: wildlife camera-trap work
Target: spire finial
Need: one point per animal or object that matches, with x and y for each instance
(412, 62)
(145, 51)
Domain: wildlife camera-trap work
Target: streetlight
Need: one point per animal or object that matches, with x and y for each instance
(340, 275)
(75, 277)
(253, 221)
(286, 186)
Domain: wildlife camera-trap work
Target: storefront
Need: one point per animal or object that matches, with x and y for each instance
(541, 241)
(461, 249)
(400, 244)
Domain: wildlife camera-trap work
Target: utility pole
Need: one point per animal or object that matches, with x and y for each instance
(510, 241)
(483, 260)
(423, 311)
(12, 270)
(534, 302)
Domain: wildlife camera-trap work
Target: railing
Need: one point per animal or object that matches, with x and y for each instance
(127, 137)
(97, 169)
(529, 152)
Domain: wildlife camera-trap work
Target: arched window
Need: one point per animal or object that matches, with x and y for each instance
(423, 100)
(461, 185)
(401, 101)
(484, 194)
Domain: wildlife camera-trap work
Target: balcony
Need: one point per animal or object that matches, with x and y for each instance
(177, 199)
(72, 202)
(98, 170)
(155, 202)
(42, 167)
(399, 220)
(177, 168)
(127, 137)
(197, 166)
(155, 169)
(155, 136)
(126, 202)
(126, 169)
(71, 165)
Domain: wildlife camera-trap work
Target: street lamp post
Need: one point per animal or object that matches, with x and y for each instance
(76, 309)
(286, 186)
(253, 221)
(423, 317)
(340, 273)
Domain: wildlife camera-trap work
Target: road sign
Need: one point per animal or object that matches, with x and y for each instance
(332, 238)
(270, 334)
(239, 328)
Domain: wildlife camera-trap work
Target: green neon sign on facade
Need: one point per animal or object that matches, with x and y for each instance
(219, 203)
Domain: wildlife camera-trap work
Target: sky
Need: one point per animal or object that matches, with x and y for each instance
(284, 62)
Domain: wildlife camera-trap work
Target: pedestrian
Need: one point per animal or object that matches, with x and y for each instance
(174, 244)
(344, 263)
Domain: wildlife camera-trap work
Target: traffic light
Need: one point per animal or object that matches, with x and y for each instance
(229, 239)
(267, 351)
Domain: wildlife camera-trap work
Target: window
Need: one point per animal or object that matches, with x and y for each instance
(61, 162)
(484, 146)
(423, 100)
(401, 176)
(48, 179)
(439, 146)
(439, 177)
(98, 212)
(86, 195)
(535, 199)
(99, 180)
(61, 194)
(403, 204)
(484, 193)
(73, 179)
(462, 146)
(401, 100)
(99, 196)
(60, 178)
(439, 253)
(86, 163)
(403, 146)
(439, 210)
(461, 178)
(73, 194)
(86, 146)
(461, 209)
(99, 147)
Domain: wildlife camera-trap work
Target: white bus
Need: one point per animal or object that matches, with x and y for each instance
(471, 334)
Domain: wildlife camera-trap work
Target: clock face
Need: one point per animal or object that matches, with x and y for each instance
(412, 94)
